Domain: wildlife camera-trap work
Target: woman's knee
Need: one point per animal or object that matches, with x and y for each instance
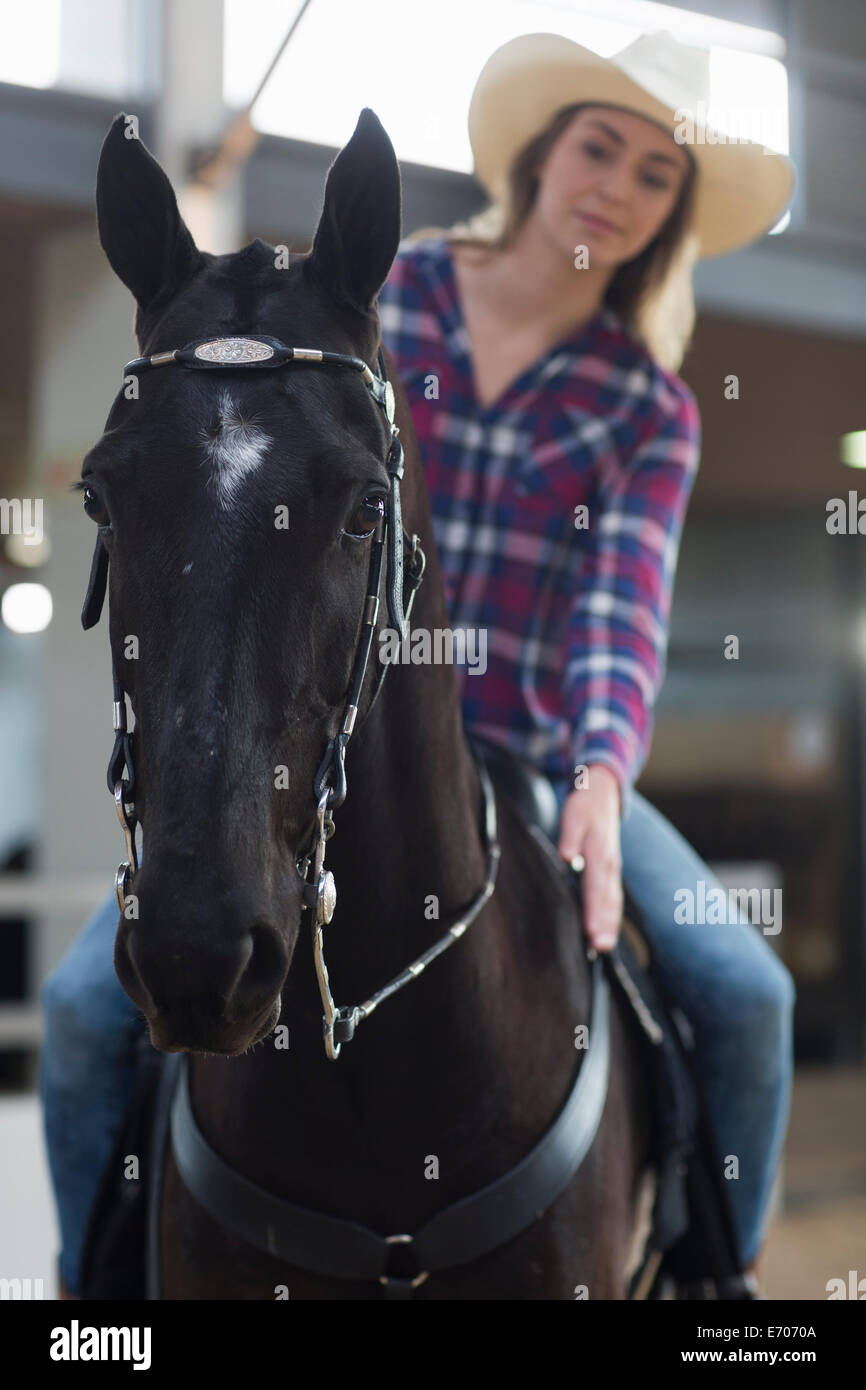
(739, 975)
(77, 1037)
(757, 1002)
(767, 987)
(79, 987)
(84, 1009)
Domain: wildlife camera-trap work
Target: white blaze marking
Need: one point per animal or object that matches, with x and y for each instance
(238, 448)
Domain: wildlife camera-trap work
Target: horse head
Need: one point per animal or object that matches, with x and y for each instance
(239, 509)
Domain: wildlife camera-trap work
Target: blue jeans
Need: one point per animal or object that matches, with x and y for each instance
(736, 995)
(738, 999)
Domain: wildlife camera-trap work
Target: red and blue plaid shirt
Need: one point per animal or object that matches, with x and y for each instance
(575, 604)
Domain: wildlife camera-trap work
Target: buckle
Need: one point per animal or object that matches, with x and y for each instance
(402, 1288)
(401, 1262)
(343, 1025)
(415, 563)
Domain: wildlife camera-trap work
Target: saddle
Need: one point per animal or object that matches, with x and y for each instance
(691, 1250)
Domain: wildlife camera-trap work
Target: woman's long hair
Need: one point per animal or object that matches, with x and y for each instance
(652, 294)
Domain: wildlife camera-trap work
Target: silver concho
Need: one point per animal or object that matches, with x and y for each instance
(234, 350)
(390, 404)
(327, 895)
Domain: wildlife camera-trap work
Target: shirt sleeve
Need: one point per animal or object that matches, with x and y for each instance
(618, 625)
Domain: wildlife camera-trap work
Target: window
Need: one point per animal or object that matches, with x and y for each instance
(416, 66)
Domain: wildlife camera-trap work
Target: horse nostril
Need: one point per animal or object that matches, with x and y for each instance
(167, 970)
(267, 964)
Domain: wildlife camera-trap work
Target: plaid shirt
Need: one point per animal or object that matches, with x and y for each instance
(575, 604)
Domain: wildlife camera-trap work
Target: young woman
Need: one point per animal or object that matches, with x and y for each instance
(538, 346)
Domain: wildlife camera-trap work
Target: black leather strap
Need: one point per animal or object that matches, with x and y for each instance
(311, 1240)
(169, 1069)
(96, 585)
(487, 1219)
(394, 540)
(472, 1227)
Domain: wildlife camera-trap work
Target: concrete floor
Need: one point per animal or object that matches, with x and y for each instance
(819, 1234)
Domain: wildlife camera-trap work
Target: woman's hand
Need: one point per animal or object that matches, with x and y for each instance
(589, 826)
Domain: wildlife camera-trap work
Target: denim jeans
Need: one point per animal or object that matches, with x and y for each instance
(736, 995)
(738, 999)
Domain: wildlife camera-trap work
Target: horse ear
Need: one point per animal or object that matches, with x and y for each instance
(141, 231)
(359, 229)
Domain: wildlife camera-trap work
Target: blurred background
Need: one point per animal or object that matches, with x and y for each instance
(759, 761)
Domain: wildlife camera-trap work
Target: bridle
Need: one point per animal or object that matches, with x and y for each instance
(255, 353)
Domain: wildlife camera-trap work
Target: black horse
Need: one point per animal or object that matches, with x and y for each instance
(234, 638)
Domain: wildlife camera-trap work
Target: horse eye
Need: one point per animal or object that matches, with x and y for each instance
(366, 518)
(94, 508)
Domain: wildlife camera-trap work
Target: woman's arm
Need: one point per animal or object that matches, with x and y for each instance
(617, 645)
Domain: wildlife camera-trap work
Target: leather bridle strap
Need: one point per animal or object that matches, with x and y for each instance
(340, 1024)
(334, 758)
(94, 597)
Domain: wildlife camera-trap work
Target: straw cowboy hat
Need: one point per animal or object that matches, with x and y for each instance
(742, 187)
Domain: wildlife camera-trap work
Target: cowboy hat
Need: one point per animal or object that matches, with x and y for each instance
(742, 187)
